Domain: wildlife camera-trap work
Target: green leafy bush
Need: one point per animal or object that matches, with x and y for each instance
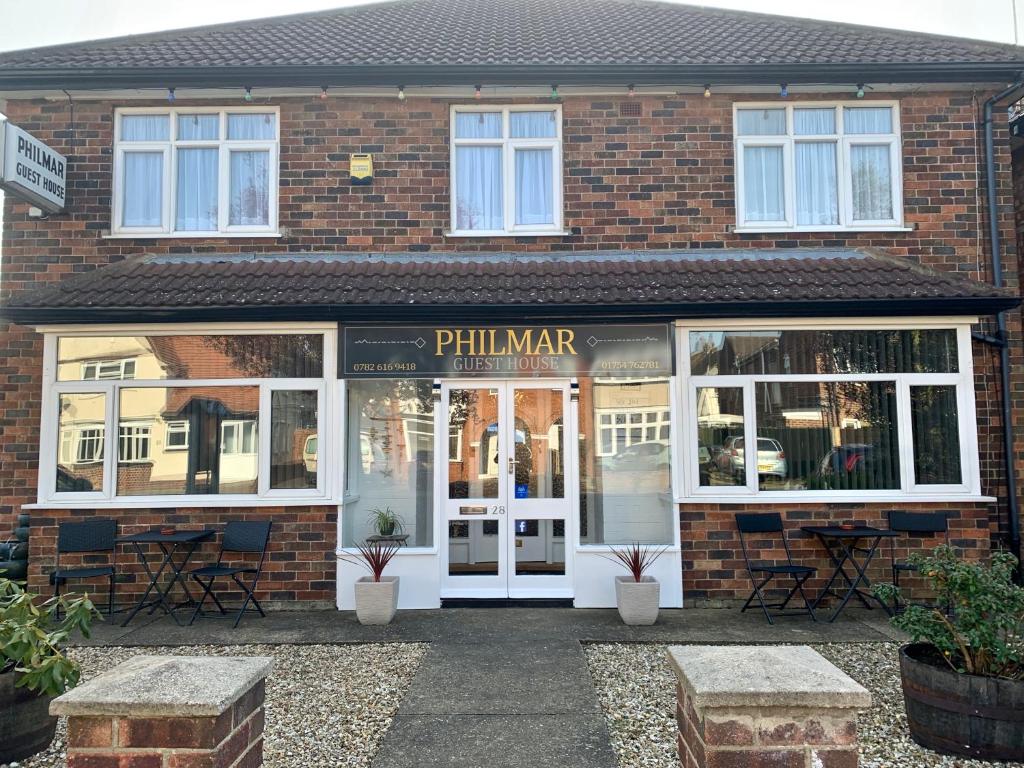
(31, 636)
(977, 622)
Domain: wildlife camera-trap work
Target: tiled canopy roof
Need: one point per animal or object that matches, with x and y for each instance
(600, 284)
(517, 33)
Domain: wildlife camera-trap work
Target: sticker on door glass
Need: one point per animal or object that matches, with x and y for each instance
(522, 490)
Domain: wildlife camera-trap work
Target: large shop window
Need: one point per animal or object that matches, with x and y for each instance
(818, 167)
(390, 459)
(506, 170)
(195, 171)
(625, 462)
(233, 415)
(834, 411)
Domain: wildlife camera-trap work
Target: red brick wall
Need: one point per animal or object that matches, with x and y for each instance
(661, 180)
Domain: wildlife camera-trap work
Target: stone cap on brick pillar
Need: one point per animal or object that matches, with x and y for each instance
(763, 676)
(166, 686)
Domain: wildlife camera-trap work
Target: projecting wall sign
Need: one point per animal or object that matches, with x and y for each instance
(506, 351)
(30, 170)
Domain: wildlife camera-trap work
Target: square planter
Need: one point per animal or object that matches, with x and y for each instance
(376, 601)
(637, 600)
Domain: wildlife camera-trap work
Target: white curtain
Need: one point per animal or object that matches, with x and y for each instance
(816, 186)
(534, 204)
(533, 125)
(145, 128)
(871, 175)
(867, 120)
(763, 192)
(761, 122)
(198, 127)
(250, 189)
(143, 189)
(814, 121)
(478, 188)
(251, 126)
(197, 190)
(478, 125)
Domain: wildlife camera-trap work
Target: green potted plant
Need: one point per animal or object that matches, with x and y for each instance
(385, 521)
(963, 671)
(637, 595)
(33, 668)
(376, 594)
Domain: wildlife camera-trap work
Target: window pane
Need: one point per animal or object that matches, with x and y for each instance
(133, 442)
(390, 459)
(293, 439)
(198, 127)
(80, 425)
(196, 207)
(534, 204)
(294, 356)
(478, 184)
(221, 456)
(720, 436)
(539, 447)
(478, 125)
(252, 126)
(761, 122)
(871, 174)
(145, 127)
(533, 125)
(143, 189)
(867, 120)
(625, 481)
(808, 352)
(814, 122)
(250, 189)
(827, 436)
(763, 192)
(473, 413)
(817, 192)
(934, 415)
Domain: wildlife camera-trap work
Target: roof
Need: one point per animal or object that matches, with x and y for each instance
(502, 286)
(444, 41)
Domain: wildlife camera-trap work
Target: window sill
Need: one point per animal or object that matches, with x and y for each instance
(190, 236)
(811, 230)
(523, 233)
(175, 503)
(838, 498)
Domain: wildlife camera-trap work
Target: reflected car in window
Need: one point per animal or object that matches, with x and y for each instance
(771, 458)
(639, 457)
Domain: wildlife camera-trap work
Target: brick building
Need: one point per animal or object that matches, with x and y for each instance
(603, 247)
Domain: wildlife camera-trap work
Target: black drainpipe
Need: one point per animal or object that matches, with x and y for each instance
(1001, 335)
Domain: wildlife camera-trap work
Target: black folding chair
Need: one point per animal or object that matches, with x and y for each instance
(762, 575)
(82, 538)
(240, 537)
(917, 524)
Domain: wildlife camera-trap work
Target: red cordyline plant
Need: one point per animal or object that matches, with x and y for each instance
(374, 557)
(637, 558)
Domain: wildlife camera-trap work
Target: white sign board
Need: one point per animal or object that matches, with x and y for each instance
(30, 170)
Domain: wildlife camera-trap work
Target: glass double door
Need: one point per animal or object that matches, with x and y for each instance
(506, 489)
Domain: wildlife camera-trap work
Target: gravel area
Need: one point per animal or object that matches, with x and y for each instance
(327, 705)
(637, 691)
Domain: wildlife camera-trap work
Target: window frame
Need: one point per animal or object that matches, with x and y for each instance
(48, 497)
(509, 146)
(843, 142)
(909, 490)
(170, 148)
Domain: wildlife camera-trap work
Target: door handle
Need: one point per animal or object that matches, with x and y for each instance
(512, 465)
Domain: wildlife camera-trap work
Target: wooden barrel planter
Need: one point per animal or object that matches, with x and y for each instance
(26, 726)
(966, 715)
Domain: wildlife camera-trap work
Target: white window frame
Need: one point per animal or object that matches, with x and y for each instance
(75, 439)
(170, 148)
(843, 144)
(509, 146)
(98, 365)
(327, 485)
(136, 436)
(180, 426)
(686, 441)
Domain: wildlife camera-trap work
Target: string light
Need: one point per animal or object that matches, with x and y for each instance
(707, 91)
(170, 95)
(784, 90)
(401, 93)
(554, 92)
(631, 91)
(860, 90)
(323, 93)
(476, 92)
(248, 93)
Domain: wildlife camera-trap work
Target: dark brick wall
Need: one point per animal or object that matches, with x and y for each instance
(660, 180)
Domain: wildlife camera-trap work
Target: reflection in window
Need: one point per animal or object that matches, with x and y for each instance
(826, 352)
(473, 414)
(625, 485)
(390, 458)
(720, 436)
(473, 547)
(190, 357)
(826, 436)
(934, 416)
(80, 447)
(220, 455)
(293, 439)
(540, 547)
(539, 455)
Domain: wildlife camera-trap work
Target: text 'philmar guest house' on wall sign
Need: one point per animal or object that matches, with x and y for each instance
(506, 351)
(30, 170)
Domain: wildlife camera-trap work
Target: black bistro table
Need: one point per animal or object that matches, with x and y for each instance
(170, 544)
(857, 547)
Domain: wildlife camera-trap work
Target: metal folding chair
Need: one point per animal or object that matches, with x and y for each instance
(762, 575)
(85, 537)
(240, 537)
(914, 523)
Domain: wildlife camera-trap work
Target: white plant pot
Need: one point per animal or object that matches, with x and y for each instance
(637, 600)
(376, 601)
